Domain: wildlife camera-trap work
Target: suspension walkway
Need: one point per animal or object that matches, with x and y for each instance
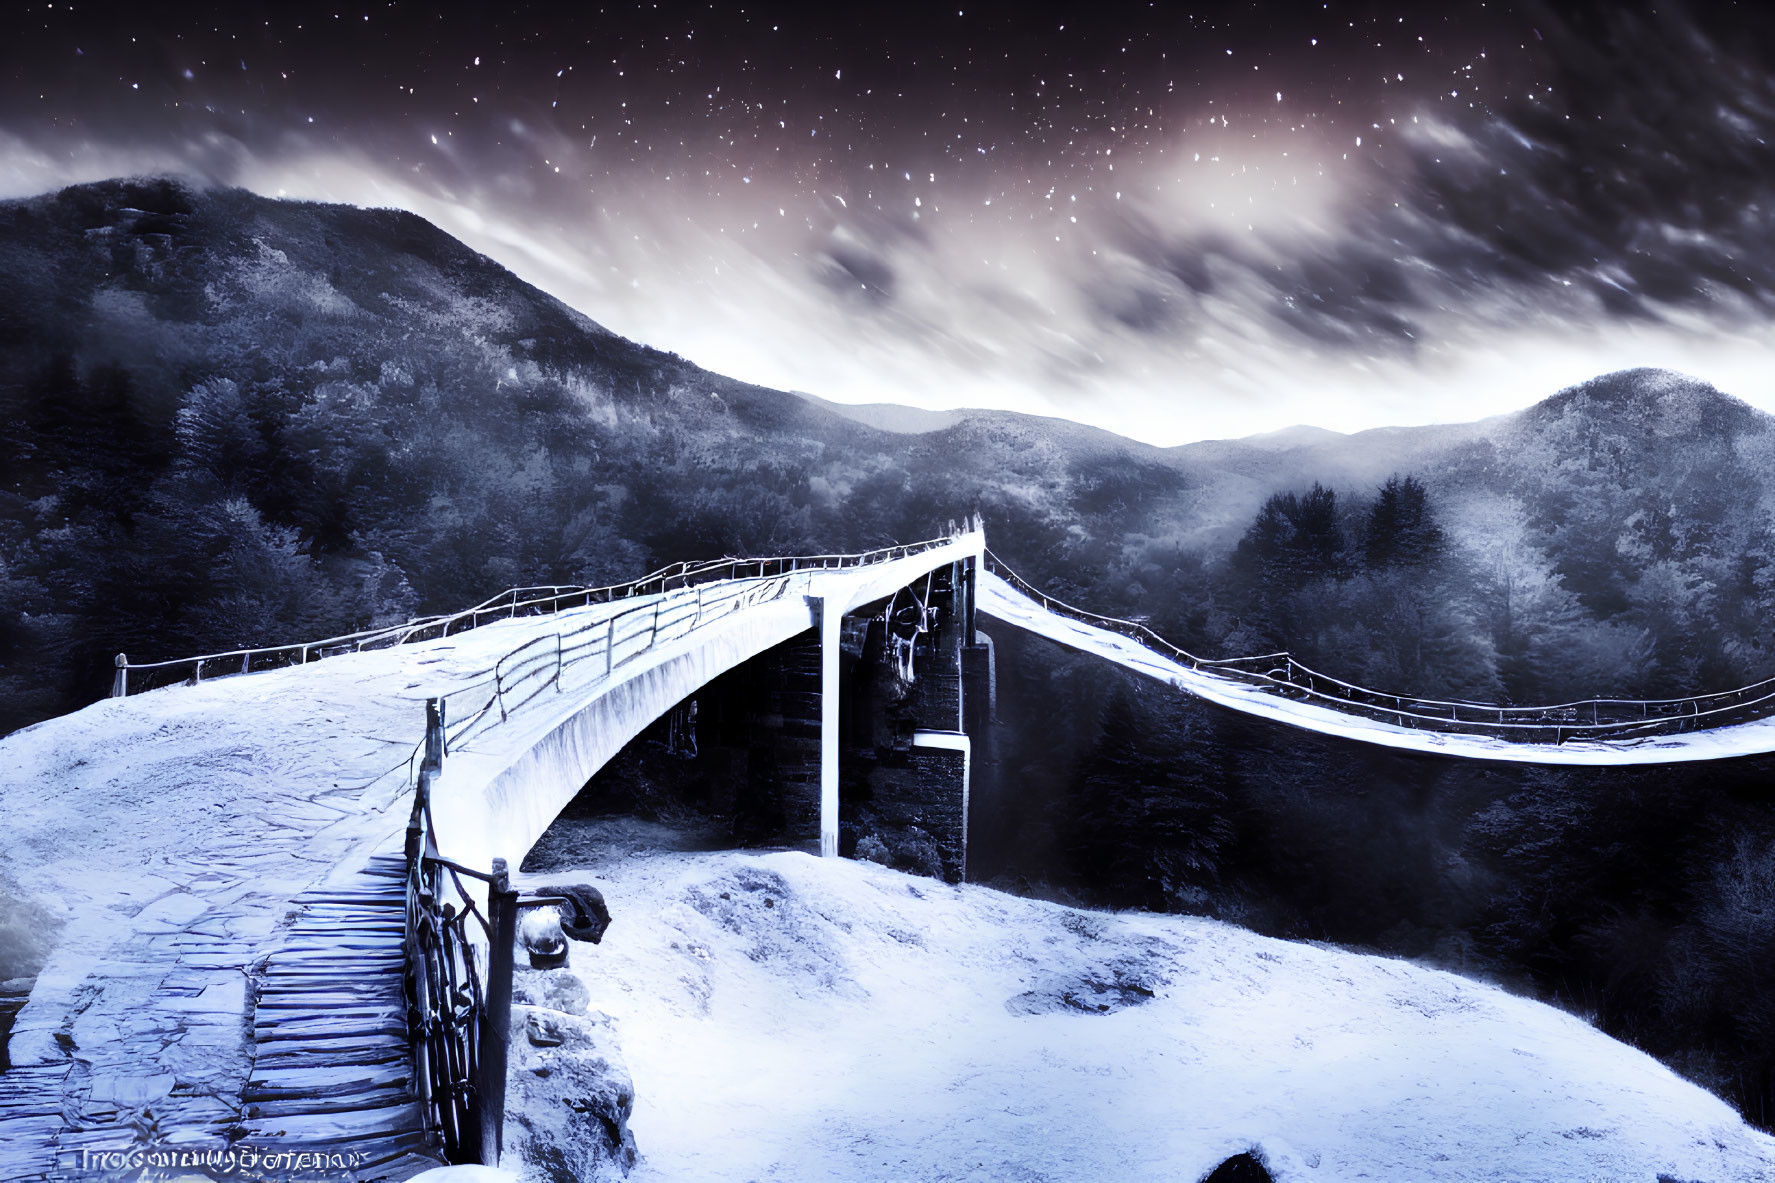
(1277, 687)
(265, 871)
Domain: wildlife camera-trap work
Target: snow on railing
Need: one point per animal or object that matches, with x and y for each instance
(134, 677)
(525, 672)
(1589, 718)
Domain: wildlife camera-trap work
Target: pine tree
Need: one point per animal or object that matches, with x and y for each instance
(1295, 537)
(1147, 830)
(1401, 528)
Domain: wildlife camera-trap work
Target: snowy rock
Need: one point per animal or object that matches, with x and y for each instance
(542, 1031)
(1240, 1168)
(1094, 990)
(567, 1102)
(560, 990)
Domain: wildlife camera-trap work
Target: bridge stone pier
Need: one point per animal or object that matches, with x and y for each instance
(912, 704)
(853, 737)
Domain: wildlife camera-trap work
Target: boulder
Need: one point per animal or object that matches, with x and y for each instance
(568, 1099)
(1240, 1168)
(555, 989)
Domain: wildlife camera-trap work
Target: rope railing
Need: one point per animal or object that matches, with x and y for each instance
(134, 677)
(1589, 718)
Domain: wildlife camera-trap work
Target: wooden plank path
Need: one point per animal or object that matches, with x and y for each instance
(332, 1066)
(294, 1041)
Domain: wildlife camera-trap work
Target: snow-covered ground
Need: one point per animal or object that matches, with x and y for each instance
(783, 1017)
(790, 1018)
(1001, 601)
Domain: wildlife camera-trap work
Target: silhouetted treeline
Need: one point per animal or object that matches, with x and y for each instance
(229, 421)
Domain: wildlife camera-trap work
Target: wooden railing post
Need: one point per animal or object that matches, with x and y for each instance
(502, 912)
(120, 680)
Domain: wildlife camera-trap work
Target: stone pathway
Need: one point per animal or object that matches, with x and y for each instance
(228, 970)
(209, 851)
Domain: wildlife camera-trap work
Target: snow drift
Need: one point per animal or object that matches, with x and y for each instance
(790, 1018)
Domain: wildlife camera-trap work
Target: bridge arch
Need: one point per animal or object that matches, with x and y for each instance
(497, 803)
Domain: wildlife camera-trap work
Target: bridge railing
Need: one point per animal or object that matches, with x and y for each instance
(1591, 718)
(458, 984)
(134, 677)
(597, 647)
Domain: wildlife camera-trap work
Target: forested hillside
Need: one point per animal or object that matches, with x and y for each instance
(1614, 539)
(227, 420)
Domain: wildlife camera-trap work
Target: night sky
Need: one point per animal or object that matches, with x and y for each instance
(1178, 223)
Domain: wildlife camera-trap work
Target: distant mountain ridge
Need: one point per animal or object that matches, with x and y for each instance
(227, 419)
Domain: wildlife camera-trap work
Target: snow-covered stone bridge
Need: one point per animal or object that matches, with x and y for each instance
(223, 857)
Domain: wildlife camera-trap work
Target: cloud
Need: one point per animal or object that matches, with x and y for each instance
(1471, 261)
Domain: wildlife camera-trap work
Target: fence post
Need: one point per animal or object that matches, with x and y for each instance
(502, 911)
(120, 680)
(434, 736)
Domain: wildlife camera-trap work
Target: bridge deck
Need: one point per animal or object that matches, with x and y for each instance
(228, 961)
(1002, 601)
